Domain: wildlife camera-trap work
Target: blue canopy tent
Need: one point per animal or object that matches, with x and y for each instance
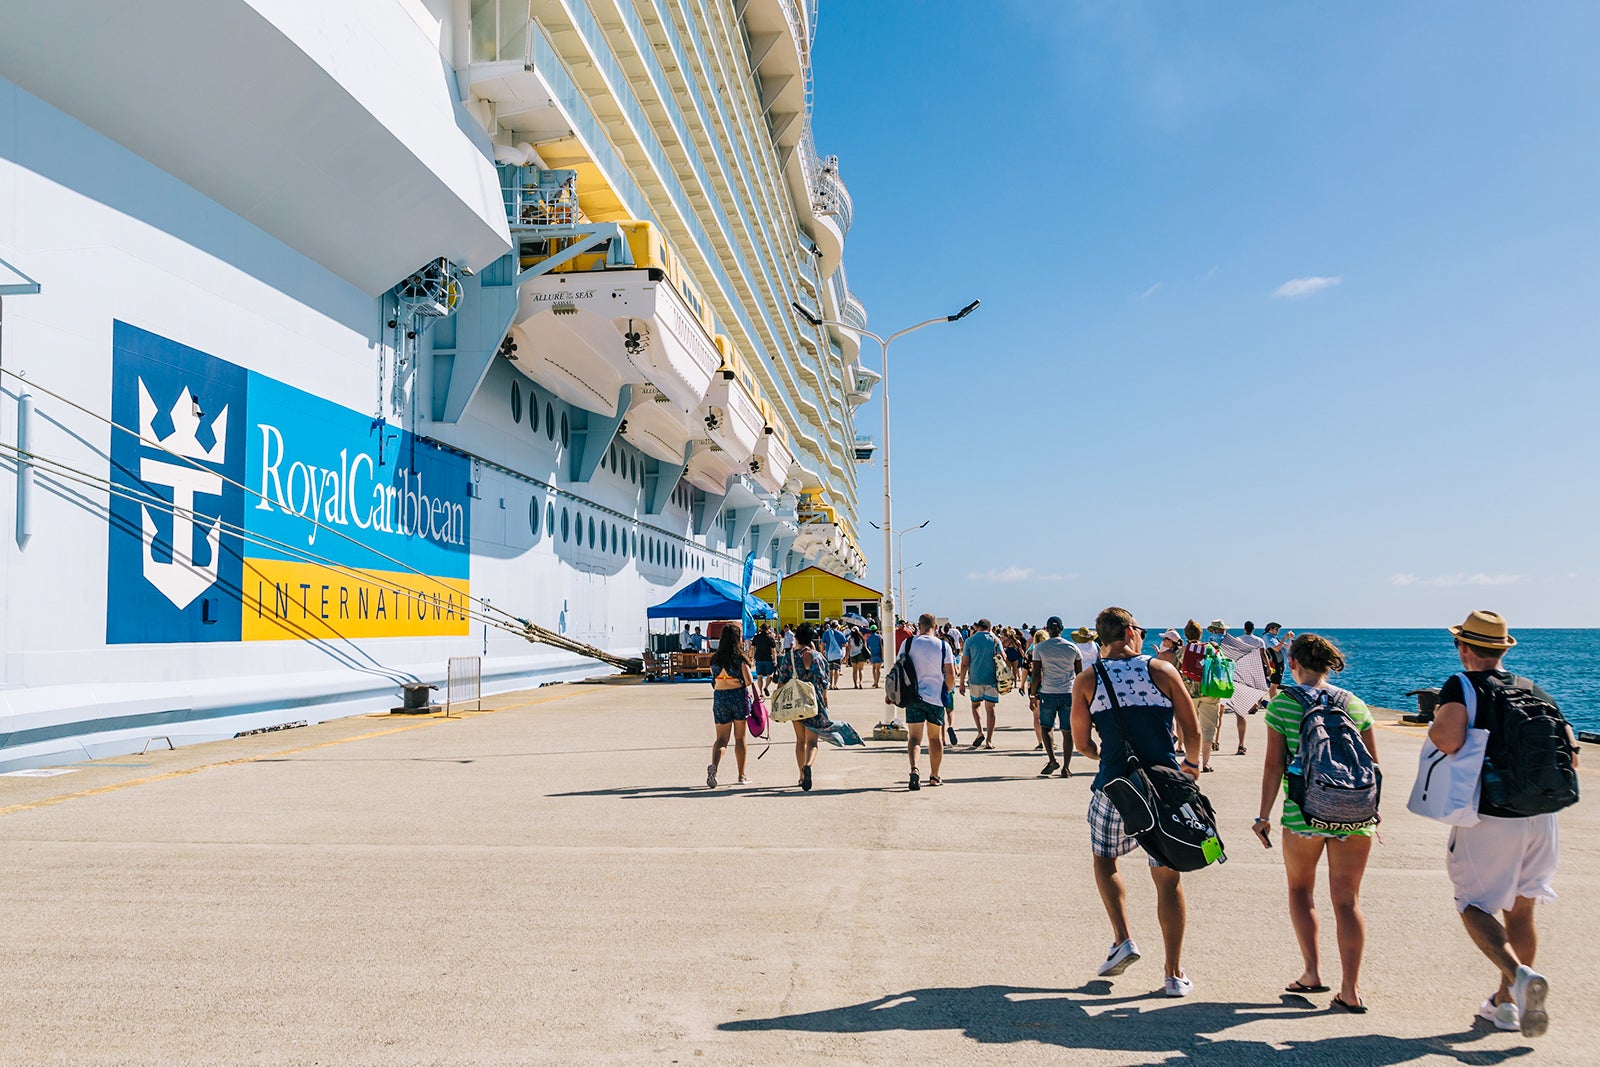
(706, 599)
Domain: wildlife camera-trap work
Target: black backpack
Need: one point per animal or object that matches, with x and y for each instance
(900, 684)
(1529, 768)
(1162, 807)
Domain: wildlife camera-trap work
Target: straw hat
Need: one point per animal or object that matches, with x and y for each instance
(1082, 633)
(1484, 629)
(1218, 625)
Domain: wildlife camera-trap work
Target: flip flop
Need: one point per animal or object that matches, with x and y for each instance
(935, 780)
(915, 783)
(1345, 1005)
(1300, 987)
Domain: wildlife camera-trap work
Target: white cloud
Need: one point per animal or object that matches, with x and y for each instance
(1018, 574)
(1148, 293)
(1295, 288)
(1451, 581)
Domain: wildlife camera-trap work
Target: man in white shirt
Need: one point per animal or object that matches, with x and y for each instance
(1056, 664)
(935, 665)
(1250, 637)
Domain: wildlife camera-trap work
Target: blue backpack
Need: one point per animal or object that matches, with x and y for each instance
(1332, 777)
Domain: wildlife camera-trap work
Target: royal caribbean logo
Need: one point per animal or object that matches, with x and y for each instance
(250, 510)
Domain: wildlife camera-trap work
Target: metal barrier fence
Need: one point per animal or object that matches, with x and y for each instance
(463, 683)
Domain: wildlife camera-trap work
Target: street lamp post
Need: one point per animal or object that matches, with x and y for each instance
(890, 729)
(900, 554)
(886, 607)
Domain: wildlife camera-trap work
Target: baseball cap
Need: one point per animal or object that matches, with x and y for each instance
(1174, 636)
(1054, 623)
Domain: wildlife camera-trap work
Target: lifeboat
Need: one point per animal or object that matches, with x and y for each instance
(733, 423)
(585, 331)
(774, 455)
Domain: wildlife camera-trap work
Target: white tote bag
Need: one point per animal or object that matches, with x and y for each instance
(1447, 786)
(795, 699)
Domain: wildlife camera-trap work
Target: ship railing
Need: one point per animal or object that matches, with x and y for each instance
(463, 683)
(537, 198)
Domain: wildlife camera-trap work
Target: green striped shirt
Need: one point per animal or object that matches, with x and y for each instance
(1283, 715)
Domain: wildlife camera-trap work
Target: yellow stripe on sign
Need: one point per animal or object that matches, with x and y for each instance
(288, 601)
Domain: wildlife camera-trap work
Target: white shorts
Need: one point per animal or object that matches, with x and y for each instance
(1498, 860)
(975, 693)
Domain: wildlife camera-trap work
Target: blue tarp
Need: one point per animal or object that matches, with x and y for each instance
(706, 599)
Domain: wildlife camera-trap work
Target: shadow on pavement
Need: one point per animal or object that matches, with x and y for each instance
(1177, 1031)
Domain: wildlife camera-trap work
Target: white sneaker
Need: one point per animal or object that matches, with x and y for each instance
(1529, 990)
(1504, 1016)
(1179, 985)
(1122, 957)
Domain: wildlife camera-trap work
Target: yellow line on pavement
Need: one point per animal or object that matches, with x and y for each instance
(45, 802)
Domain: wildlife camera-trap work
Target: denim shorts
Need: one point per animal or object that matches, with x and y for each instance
(1053, 706)
(728, 705)
(765, 667)
(922, 711)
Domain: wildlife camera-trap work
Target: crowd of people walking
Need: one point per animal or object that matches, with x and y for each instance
(1114, 704)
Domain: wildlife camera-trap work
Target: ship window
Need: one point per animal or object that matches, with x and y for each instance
(549, 421)
(534, 517)
(636, 542)
(533, 411)
(591, 531)
(613, 458)
(563, 429)
(550, 520)
(516, 402)
(564, 527)
(633, 470)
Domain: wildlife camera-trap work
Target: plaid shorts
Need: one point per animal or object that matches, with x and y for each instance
(1106, 838)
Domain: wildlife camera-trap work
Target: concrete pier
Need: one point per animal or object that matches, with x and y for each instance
(550, 881)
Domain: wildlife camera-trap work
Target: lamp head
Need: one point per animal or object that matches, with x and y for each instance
(964, 312)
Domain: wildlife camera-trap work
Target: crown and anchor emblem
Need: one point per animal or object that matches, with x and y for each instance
(182, 578)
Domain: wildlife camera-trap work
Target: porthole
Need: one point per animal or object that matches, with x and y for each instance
(549, 421)
(534, 517)
(565, 529)
(516, 402)
(550, 520)
(533, 411)
(564, 438)
(613, 451)
(635, 543)
(633, 470)
(591, 531)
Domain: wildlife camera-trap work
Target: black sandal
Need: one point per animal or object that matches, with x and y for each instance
(915, 783)
(805, 779)
(1298, 986)
(1345, 1005)
(934, 779)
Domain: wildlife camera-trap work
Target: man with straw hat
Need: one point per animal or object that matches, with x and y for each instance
(1504, 864)
(1083, 638)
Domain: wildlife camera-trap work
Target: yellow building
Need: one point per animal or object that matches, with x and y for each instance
(813, 595)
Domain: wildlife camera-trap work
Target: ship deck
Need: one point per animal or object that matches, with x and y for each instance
(550, 881)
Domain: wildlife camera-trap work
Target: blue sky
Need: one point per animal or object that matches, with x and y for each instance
(1289, 310)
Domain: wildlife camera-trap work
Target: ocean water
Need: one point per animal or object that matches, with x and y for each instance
(1383, 665)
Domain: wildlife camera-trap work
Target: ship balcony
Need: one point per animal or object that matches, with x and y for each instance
(866, 448)
(832, 196)
(780, 55)
(864, 381)
(854, 311)
(826, 231)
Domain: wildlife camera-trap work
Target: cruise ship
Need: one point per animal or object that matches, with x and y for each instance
(341, 339)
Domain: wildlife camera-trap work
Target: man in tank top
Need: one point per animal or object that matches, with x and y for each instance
(1151, 699)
